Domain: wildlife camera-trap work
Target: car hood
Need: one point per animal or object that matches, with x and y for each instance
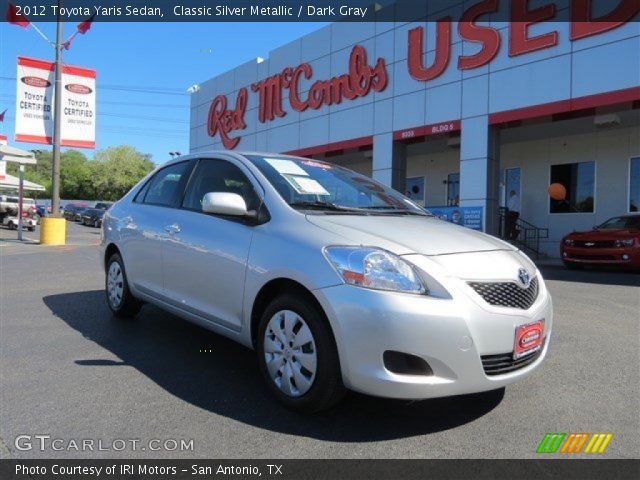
(604, 234)
(408, 234)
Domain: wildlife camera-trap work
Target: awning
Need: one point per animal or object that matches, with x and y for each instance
(9, 181)
(13, 154)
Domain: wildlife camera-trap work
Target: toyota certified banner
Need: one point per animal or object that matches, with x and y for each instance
(34, 104)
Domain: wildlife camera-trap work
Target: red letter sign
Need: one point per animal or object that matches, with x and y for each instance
(521, 18)
(443, 51)
(223, 121)
(489, 37)
(582, 25)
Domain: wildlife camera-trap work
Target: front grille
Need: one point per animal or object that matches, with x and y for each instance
(507, 294)
(594, 244)
(504, 362)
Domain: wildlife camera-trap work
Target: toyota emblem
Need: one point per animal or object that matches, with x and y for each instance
(524, 277)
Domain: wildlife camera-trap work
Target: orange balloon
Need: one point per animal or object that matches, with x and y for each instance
(557, 191)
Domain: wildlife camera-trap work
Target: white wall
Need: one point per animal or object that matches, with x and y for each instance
(435, 167)
(610, 149)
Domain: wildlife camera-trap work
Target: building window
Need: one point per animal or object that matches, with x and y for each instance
(634, 184)
(415, 189)
(453, 189)
(578, 180)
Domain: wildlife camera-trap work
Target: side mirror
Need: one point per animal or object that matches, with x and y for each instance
(223, 203)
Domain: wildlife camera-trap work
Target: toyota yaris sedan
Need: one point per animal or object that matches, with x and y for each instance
(336, 281)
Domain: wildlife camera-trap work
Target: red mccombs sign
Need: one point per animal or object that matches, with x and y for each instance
(358, 82)
(361, 78)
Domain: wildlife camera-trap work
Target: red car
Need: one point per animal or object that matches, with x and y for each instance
(615, 242)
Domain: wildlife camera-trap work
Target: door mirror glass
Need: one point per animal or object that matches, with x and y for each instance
(224, 203)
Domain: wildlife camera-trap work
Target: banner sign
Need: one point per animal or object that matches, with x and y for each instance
(470, 217)
(3, 164)
(34, 104)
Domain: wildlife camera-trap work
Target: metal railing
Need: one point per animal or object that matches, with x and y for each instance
(521, 233)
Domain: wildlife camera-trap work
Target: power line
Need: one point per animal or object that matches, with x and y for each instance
(132, 104)
(130, 88)
(134, 117)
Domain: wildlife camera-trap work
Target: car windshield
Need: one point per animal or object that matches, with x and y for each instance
(616, 223)
(307, 184)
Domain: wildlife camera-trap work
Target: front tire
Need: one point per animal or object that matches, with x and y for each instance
(119, 298)
(297, 355)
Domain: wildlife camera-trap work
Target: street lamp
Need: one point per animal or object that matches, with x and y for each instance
(174, 154)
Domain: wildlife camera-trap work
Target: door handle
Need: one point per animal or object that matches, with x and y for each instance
(172, 229)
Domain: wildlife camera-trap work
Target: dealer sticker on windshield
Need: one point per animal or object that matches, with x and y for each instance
(305, 185)
(528, 339)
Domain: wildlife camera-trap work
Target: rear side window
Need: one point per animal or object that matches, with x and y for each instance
(166, 186)
(218, 176)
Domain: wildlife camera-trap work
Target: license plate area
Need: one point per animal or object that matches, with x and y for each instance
(528, 339)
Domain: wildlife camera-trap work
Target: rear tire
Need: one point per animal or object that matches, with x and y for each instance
(119, 298)
(294, 341)
(12, 226)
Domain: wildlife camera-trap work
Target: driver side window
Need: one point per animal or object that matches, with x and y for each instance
(218, 176)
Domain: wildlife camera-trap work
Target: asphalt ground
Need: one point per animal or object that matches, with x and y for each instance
(71, 371)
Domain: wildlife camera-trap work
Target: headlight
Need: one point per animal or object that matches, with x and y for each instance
(568, 242)
(375, 268)
(624, 243)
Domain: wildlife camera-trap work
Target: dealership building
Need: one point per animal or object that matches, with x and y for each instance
(465, 118)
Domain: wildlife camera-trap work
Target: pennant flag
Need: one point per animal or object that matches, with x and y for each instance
(2, 115)
(84, 27)
(16, 18)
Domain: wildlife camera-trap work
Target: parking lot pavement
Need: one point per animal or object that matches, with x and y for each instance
(77, 235)
(70, 370)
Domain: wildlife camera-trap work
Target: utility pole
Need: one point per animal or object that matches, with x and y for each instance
(57, 116)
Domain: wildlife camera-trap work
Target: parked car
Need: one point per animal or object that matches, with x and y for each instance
(71, 211)
(29, 221)
(337, 282)
(103, 205)
(43, 210)
(92, 217)
(615, 242)
(9, 204)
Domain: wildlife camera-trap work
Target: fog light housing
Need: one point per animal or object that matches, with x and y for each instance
(405, 364)
(564, 254)
(625, 256)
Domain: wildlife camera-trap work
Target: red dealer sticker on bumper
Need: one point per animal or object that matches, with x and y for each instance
(528, 339)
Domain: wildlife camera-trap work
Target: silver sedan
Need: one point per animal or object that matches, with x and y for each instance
(337, 281)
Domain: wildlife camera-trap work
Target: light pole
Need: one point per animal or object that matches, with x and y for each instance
(57, 115)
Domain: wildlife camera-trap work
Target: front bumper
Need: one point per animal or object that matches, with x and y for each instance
(450, 334)
(601, 256)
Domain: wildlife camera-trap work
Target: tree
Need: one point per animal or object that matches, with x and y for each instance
(116, 169)
(111, 173)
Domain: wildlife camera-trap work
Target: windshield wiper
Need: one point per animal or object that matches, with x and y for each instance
(319, 205)
(380, 209)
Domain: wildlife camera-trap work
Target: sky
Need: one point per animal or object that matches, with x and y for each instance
(162, 59)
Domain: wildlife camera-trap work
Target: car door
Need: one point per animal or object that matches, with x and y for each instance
(205, 258)
(143, 227)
